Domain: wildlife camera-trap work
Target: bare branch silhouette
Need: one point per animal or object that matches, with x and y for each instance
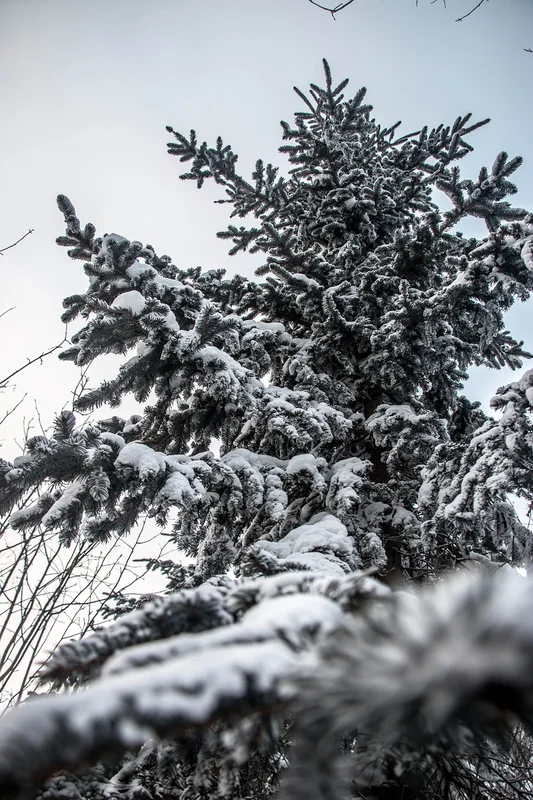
(460, 19)
(332, 11)
(7, 311)
(3, 249)
(3, 381)
(341, 6)
(12, 410)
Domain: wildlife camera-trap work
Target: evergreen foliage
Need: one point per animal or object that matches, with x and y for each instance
(349, 464)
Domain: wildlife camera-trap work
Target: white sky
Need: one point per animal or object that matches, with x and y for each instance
(88, 88)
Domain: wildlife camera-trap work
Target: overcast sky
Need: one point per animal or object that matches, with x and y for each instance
(88, 88)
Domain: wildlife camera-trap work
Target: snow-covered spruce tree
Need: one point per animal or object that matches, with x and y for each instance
(346, 450)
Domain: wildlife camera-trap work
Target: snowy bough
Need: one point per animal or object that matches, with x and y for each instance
(313, 645)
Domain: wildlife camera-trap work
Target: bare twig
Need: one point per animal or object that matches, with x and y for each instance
(334, 10)
(12, 410)
(3, 249)
(7, 311)
(460, 19)
(39, 420)
(31, 361)
(81, 385)
(340, 6)
(51, 593)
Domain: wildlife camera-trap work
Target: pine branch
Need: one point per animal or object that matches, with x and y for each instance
(391, 690)
(387, 674)
(115, 718)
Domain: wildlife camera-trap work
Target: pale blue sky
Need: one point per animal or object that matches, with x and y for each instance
(88, 88)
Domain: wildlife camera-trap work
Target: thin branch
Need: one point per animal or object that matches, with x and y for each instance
(7, 311)
(8, 413)
(340, 7)
(3, 249)
(332, 11)
(3, 381)
(81, 385)
(39, 420)
(460, 19)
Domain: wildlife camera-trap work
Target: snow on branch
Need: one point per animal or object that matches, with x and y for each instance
(322, 544)
(187, 611)
(422, 679)
(292, 619)
(499, 458)
(57, 732)
(168, 686)
(409, 670)
(214, 605)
